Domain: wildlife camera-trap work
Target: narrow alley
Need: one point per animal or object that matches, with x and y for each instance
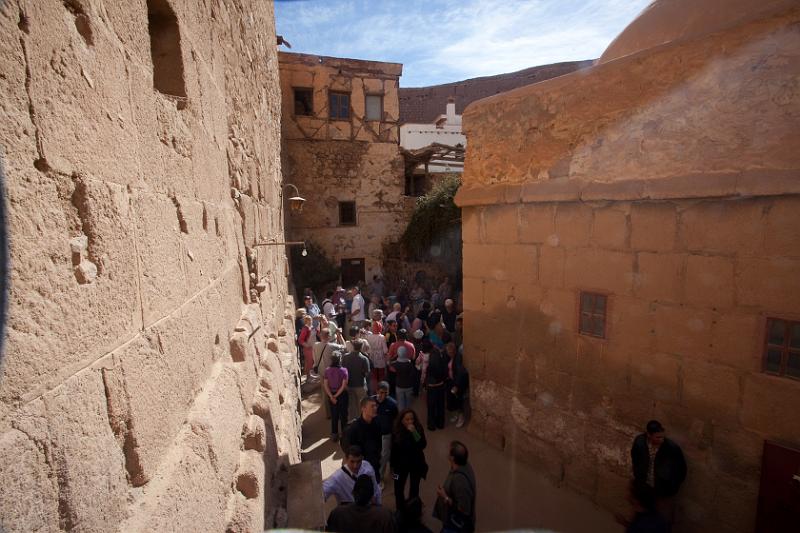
(511, 495)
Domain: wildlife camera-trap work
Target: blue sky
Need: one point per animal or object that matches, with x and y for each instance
(440, 41)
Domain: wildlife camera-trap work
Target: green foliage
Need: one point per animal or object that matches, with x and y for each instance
(434, 232)
(315, 270)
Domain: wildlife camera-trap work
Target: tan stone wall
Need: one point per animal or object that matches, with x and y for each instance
(333, 161)
(148, 377)
(692, 233)
(690, 283)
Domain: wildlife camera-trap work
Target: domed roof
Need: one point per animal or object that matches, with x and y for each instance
(665, 21)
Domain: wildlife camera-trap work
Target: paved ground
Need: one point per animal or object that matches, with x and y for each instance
(510, 495)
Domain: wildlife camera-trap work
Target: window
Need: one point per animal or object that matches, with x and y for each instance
(304, 102)
(415, 185)
(347, 213)
(592, 317)
(340, 106)
(782, 348)
(165, 49)
(374, 107)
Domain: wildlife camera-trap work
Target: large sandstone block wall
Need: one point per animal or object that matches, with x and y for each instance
(333, 161)
(149, 382)
(690, 283)
(669, 180)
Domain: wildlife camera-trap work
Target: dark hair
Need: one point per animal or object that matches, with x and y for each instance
(354, 450)
(336, 360)
(398, 427)
(358, 344)
(383, 385)
(426, 305)
(654, 426)
(363, 491)
(365, 400)
(329, 294)
(459, 453)
(426, 345)
(402, 334)
(390, 322)
(353, 330)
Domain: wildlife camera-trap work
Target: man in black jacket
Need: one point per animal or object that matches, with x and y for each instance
(658, 462)
(365, 432)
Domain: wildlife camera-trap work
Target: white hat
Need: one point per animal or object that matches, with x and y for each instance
(419, 334)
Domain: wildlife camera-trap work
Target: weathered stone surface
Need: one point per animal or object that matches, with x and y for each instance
(24, 470)
(653, 226)
(85, 458)
(120, 406)
(660, 277)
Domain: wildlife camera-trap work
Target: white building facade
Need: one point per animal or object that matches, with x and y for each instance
(445, 130)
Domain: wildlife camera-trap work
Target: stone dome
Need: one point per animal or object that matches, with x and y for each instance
(665, 21)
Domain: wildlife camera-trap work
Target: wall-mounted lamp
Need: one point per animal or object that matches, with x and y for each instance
(304, 253)
(295, 202)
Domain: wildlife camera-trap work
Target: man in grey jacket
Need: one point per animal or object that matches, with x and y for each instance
(357, 366)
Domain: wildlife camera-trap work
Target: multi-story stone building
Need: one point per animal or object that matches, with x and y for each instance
(633, 232)
(341, 149)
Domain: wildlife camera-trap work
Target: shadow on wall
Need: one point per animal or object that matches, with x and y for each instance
(4, 263)
(550, 398)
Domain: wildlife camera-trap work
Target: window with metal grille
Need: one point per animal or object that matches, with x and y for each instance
(347, 213)
(339, 106)
(782, 348)
(303, 101)
(592, 314)
(374, 106)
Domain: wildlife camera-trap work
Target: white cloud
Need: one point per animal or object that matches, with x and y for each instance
(449, 40)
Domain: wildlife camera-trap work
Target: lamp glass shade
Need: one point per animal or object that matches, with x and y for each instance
(296, 203)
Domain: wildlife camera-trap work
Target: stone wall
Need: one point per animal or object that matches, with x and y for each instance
(669, 181)
(149, 382)
(333, 161)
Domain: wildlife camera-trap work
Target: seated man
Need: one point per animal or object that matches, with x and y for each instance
(340, 484)
(363, 515)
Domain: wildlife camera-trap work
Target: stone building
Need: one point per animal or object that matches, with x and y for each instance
(149, 383)
(341, 149)
(445, 129)
(633, 230)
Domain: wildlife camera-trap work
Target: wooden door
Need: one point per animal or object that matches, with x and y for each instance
(779, 496)
(353, 271)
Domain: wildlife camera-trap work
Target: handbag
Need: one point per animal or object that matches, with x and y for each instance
(321, 355)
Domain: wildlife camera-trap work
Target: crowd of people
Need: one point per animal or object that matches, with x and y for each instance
(372, 356)
(372, 360)
(411, 338)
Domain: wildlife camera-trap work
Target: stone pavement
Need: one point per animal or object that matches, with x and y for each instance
(510, 495)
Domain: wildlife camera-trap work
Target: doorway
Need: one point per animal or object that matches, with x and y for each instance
(353, 271)
(779, 495)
